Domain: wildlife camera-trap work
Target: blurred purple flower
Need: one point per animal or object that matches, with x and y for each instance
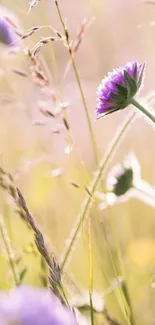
(118, 88)
(9, 30)
(30, 306)
(6, 33)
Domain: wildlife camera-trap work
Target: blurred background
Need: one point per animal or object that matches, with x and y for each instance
(44, 158)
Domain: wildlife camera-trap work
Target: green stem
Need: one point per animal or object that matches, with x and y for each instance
(78, 81)
(85, 108)
(60, 91)
(90, 273)
(128, 300)
(9, 251)
(125, 309)
(88, 201)
(123, 271)
(144, 110)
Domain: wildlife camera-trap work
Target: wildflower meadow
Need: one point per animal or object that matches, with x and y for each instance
(77, 172)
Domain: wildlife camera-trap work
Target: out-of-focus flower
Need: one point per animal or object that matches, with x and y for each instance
(124, 176)
(9, 27)
(30, 306)
(6, 35)
(118, 88)
(82, 301)
(123, 182)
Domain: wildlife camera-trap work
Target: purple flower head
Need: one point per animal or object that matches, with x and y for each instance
(6, 33)
(9, 27)
(30, 306)
(118, 88)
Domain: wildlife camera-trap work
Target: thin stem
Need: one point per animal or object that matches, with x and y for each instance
(9, 251)
(90, 273)
(119, 253)
(88, 200)
(125, 310)
(144, 110)
(64, 114)
(78, 81)
(85, 107)
(128, 300)
(64, 111)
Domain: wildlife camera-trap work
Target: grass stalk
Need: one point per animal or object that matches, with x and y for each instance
(66, 33)
(90, 272)
(9, 251)
(75, 232)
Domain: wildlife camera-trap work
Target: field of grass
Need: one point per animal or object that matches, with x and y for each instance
(46, 145)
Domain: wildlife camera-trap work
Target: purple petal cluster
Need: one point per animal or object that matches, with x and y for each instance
(9, 27)
(116, 90)
(30, 306)
(6, 34)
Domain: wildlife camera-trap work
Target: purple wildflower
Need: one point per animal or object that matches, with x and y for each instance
(9, 29)
(6, 33)
(29, 306)
(118, 88)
